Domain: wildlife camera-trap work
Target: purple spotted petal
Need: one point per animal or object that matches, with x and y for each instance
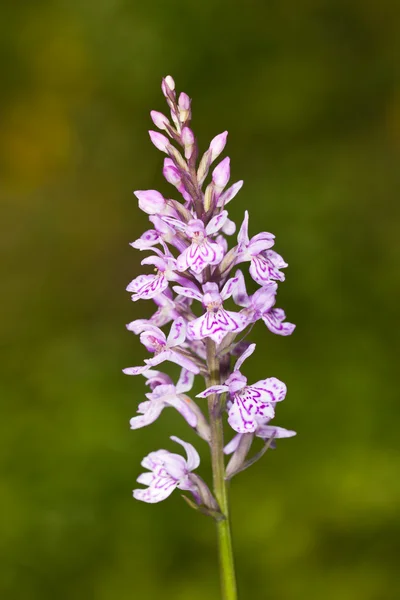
(240, 419)
(260, 242)
(157, 378)
(236, 382)
(177, 334)
(188, 292)
(268, 390)
(276, 259)
(199, 255)
(216, 325)
(262, 270)
(214, 389)
(229, 288)
(217, 223)
(148, 239)
(152, 339)
(248, 352)
(160, 489)
(185, 382)
(147, 286)
(135, 370)
(273, 320)
(263, 299)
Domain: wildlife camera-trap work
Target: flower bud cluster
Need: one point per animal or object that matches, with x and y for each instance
(194, 271)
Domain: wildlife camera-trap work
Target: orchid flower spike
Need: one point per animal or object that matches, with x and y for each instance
(210, 316)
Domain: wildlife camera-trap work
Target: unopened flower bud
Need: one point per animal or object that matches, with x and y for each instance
(244, 442)
(168, 86)
(159, 120)
(188, 141)
(171, 173)
(159, 140)
(184, 107)
(221, 174)
(208, 197)
(217, 145)
(150, 201)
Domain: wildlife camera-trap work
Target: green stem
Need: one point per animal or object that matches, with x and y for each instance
(227, 567)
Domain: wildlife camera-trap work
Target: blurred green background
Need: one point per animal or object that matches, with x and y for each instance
(310, 93)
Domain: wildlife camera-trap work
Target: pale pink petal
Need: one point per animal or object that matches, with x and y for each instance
(188, 292)
(147, 286)
(262, 270)
(230, 193)
(193, 458)
(276, 259)
(177, 334)
(229, 288)
(148, 239)
(214, 389)
(175, 465)
(161, 488)
(248, 352)
(151, 201)
(269, 431)
(135, 370)
(153, 411)
(185, 382)
(229, 227)
(146, 478)
(184, 362)
(233, 445)
(239, 294)
(184, 409)
(276, 325)
(216, 223)
(243, 235)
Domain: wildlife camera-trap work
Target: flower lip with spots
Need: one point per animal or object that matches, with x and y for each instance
(166, 472)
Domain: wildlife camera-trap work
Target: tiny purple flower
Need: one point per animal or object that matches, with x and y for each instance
(249, 402)
(167, 471)
(202, 251)
(163, 394)
(163, 348)
(260, 306)
(149, 286)
(216, 322)
(264, 263)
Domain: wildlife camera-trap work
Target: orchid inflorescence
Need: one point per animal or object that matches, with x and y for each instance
(194, 267)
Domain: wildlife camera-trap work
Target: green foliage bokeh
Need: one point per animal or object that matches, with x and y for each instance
(310, 93)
